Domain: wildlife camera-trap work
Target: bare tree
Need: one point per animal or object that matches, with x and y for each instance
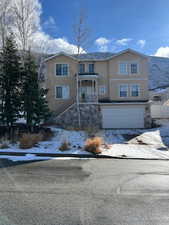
(26, 21)
(41, 48)
(81, 33)
(81, 39)
(5, 20)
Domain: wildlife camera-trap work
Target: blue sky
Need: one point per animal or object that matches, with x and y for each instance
(115, 25)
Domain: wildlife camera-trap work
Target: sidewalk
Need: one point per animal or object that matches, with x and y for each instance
(117, 151)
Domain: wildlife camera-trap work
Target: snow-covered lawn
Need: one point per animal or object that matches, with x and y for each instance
(134, 143)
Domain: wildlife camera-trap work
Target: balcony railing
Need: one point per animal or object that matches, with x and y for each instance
(88, 73)
(89, 98)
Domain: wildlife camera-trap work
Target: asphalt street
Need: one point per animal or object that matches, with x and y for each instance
(84, 192)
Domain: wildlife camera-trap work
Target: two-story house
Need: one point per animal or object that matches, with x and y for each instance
(112, 89)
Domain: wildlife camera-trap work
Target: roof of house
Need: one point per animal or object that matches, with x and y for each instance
(158, 66)
(95, 56)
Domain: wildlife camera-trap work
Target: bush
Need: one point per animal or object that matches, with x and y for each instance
(47, 134)
(93, 145)
(30, 140)
(65, 146)
(4, 145)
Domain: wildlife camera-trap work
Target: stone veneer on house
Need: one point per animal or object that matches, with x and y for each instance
(90, 116)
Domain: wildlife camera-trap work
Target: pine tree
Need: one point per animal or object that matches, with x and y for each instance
(35, 106)
(10, 83)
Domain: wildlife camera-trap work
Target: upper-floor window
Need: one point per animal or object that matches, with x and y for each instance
(62, 69)
(62, 92)
(123, 90)
(81, 68)
(123, 68)
(126, 68)
(134, 68)
(91, 68)
(135, 90)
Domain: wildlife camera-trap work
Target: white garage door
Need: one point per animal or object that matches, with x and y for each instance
(123, 117)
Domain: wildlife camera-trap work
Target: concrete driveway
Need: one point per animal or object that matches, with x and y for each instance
(84, 192)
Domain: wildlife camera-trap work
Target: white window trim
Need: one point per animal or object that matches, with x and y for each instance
(84, 67)
(128, 63)
(62, 93)
(138, 71)
(127, 90)
(123, 62)
(93, 67)
(62, 75)
(102, 86)
(139, 91)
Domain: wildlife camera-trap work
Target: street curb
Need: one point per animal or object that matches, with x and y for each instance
(80, 156)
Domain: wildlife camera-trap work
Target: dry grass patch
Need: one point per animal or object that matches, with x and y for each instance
(65, 146)
(93, 145)
(30, 140)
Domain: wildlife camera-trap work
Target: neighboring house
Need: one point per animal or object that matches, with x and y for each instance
(159, 95)
(159, 98)
(112, 89)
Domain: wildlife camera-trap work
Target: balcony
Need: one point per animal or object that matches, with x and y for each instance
(88, 91)
(87, 75)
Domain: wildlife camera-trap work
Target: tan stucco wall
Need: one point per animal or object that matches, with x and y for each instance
(108, 75)
(116, 79)
(52, 81)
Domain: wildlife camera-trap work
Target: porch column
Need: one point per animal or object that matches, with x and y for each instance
(96, 86)
(94, 90)
(80, 84)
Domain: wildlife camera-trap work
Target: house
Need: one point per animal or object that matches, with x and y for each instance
(112, 89)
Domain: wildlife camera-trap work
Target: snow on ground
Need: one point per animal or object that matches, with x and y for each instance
(75, 138)
(132, 143)
(136, 151)
(27, 157)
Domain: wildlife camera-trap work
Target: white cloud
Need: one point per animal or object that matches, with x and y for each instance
(141, 43)
(123, 41)
(38, 38)
(42, 42)
(50, 24)
(162, 51)
(102, 44)
(102, 41)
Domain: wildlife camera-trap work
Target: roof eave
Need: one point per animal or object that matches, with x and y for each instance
(59, 54)
(128, 50)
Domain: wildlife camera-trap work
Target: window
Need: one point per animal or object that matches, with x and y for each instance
(123, 68)
(81, 68)
(102, 90)
(123, 90)
(91, 68)
(61, 69)
(62, 92)
(59, 92)
(128, 68)
(135, 90)
(134, 68)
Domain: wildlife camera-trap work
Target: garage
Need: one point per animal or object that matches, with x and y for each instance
(123, 117)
